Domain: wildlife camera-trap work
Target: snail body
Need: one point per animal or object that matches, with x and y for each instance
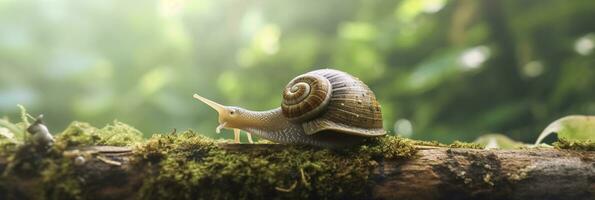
(327, 108)
(40, 133)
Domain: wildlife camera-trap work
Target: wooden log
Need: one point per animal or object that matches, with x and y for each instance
(434, 173)
(490, 174)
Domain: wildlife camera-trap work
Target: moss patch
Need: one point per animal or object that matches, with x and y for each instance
(466, 145)
(456, 144)
(60, 180)
(83, 134)
(432, 143)
(54, 174)
(581, 145)
(388, 147)
(192, 166)
(57, 176)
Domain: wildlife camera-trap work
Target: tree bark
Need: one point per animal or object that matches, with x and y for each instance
(434, 173)
(442, 173)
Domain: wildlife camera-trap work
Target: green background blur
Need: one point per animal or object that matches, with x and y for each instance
(442, 69)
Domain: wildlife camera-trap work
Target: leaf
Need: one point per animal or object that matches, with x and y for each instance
(576, 127)
(498, 141)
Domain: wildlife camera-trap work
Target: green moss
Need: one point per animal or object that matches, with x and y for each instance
(58, 176)
(465, 145)
(80, 134)
(456, 144)
(77, 134)
(388, 147)
(582, 145)
(181, 146)
(55, 174)
(192, 166)
(60, 180)
(120, 134)
(428, 143)
(7, 148)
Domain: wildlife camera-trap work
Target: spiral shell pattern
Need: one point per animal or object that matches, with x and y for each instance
(305, 97)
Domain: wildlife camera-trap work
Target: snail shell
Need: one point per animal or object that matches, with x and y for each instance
(332, 100)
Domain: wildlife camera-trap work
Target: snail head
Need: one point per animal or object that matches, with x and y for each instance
(230, 117)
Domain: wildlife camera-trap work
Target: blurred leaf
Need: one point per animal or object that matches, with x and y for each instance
(229, 84)
(498, 141)
(410, 9)
(575, 77)
(357, 31)
(433, 71)
(501, 115)
(154, 80)
(574, 127)
(267, 39)
(361, 60)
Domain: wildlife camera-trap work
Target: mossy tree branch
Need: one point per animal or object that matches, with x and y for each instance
(433, 173)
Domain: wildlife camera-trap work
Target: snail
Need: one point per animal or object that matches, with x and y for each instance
(41, 134)
(325, 108)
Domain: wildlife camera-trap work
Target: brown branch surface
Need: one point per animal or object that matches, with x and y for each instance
(434, 173)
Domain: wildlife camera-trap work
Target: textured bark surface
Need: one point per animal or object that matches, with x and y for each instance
(435, 173)
(441, 173)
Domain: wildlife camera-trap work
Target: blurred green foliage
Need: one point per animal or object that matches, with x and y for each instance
(442, 69)
(573, 127)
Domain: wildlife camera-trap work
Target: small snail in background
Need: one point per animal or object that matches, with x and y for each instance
(326, 108)
(40, 133)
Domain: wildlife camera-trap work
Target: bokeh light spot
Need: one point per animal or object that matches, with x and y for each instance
(533, 69)
(584, 45)
(474, 57)
(403, 127)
